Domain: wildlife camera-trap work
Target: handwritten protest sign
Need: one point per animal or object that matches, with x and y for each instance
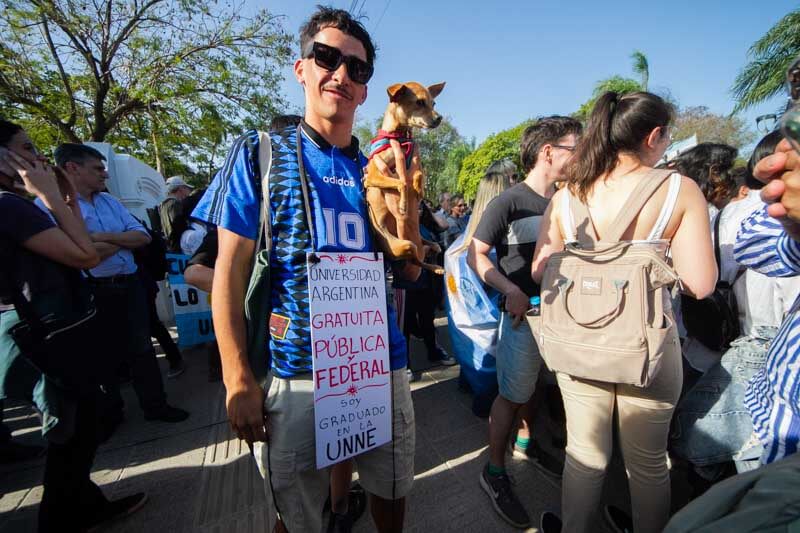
(191, 305)
(350, 344)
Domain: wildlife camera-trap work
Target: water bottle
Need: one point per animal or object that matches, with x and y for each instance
(536, 306)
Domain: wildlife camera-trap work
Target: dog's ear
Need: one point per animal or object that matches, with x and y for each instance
(436, 89)
(397, 92)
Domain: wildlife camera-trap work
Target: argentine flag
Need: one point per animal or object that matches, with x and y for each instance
(472, 319)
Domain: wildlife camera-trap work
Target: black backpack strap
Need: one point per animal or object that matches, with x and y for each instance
(716, 247)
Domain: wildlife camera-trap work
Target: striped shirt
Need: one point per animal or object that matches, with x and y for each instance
(773, 395)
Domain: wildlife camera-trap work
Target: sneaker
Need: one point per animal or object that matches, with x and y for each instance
(167, 413)
(549, 523)
(503, 499)
(413, 376)
(117, 510)
(440, 357)
(176, 370)
(617, 519)
(517, 452)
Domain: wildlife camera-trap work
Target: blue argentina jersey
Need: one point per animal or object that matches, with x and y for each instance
(340, 223)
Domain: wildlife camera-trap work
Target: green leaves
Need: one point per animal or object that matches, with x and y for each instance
(764, 76)
(497, 146)
(143, 74)
(618, 84)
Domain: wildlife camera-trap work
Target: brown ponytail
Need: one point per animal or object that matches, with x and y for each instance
(617, 124)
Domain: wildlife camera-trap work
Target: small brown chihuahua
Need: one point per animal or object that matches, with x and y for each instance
(410, 106)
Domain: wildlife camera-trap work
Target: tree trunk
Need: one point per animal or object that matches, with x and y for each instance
(157, 153)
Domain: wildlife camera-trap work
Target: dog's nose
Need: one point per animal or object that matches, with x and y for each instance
(437, 120)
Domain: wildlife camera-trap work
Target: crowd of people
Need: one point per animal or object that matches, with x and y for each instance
(720, 390)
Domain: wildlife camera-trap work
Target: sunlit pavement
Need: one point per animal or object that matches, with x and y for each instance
(200, 478)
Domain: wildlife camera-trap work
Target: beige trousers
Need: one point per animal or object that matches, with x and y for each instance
(644, 416)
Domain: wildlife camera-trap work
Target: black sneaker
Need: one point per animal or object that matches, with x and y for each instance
(505, 502)
(117, 510)
(176, 370)
(617, 519)
(438, 356)
(549, 523)
(167, 413)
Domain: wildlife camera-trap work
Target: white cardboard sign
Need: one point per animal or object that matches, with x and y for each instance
(350, 346)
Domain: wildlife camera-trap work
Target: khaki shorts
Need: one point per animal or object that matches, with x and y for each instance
(298, 489)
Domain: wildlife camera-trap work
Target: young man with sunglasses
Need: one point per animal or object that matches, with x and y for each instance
(510, 224)
(336, 64)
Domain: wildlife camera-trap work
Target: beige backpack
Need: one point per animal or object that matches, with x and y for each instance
(602, 303)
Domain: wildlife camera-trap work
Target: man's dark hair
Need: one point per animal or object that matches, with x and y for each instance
(76, 153)
(328, 17)
(8, 130)
(546, 130)
(765, 147)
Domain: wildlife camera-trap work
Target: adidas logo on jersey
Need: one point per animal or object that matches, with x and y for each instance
(333, 180)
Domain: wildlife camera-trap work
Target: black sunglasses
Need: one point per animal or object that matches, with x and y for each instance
(564, 147)
(331, 58)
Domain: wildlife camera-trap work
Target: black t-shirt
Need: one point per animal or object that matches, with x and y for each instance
(206, 254)
(511, 224)
(21, 269)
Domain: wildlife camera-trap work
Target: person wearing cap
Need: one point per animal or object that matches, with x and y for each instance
(171, 209)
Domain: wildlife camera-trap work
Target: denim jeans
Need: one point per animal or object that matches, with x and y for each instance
(711, 423)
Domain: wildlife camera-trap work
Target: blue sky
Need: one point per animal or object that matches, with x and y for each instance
(506, 61)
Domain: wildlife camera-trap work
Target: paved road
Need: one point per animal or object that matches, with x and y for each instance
(201, 479)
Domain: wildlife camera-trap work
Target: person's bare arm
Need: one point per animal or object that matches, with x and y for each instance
(440, 221)
(125, 239)
(69, 243)
(516, 301)
(244, 395)
(200, 276)
(550, 239)
(692, 249)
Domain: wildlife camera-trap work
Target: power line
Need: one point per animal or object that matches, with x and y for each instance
(382, 14)
(360, 9)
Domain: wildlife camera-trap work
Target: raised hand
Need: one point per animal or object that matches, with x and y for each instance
(38, 176)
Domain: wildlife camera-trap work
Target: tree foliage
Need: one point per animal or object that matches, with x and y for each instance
(166, 80)
(711, 127)
(497, 146)
(764, 75)
(441, 151)
(641, 67)
(618, 84)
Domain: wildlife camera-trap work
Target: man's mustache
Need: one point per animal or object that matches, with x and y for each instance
(338, 88)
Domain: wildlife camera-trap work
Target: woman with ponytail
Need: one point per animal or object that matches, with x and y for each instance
(625, 137)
